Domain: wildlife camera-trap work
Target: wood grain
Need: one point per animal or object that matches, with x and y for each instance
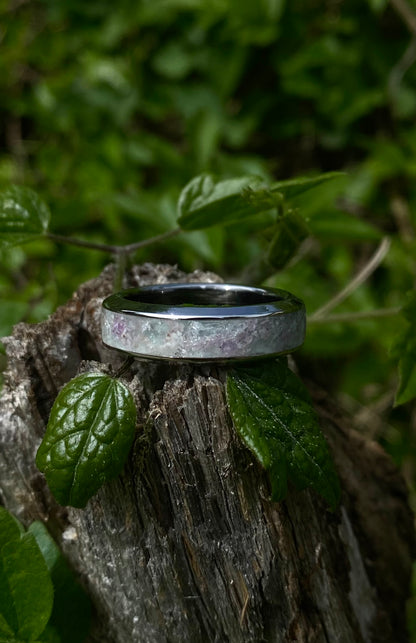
(185, 546)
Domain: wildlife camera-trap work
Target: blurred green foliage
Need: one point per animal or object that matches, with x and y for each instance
(108, 109)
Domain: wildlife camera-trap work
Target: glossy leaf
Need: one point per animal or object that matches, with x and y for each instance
(26, 592)
(23, 216)
(88, 437)
(204, 203)
(274, 417)
(71, 612)
(404, 350)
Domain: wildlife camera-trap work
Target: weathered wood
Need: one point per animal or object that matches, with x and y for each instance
(185, 546)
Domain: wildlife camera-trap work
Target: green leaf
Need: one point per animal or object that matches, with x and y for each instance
(6, 633)
(378, 5)
(50, 635)
(71, 612)
(10, 528)
(293, 188)
(290, 231)
(23, 216)
(26, 592)
(404, 349)
(89, 434)
(337, 226)
(204, 203)
(274, 417)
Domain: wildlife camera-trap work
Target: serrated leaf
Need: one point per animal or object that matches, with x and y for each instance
(71, 612)
(404, 349)
(88, 437)
(272, 414)
(204, 202)
(26, 592)
(23, 216)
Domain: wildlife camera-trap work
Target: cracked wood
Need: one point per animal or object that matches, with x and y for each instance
(185, 546)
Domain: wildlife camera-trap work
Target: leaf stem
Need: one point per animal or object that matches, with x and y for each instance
(124, 367)
(80, 243)
(113, 249)
(355, 316)
(132, 247)
(359, 278)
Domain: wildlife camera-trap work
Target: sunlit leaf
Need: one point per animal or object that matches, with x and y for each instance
(272, 414)
(23, 216)
(295, 187)
(89, 434)
(204, 202)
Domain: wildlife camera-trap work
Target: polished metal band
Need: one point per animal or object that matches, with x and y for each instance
(203, 322)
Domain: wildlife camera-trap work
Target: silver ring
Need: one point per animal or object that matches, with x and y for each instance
(203, 322)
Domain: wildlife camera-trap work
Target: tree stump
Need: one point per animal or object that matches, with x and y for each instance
(185, 546)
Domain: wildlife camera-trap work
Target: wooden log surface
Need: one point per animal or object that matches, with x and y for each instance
(185, 546)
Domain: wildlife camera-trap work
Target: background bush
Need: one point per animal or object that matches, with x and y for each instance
(108, 109)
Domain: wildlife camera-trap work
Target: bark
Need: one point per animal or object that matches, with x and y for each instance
(185, 546)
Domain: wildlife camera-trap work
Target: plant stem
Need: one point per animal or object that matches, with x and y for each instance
(407, 14)
(80, 243)
(113, 249)
(356, 316)
(359, 278)
(125, 366)
(132, 247)
(401, 67)
(121, 264)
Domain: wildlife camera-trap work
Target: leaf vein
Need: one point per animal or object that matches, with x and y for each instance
(285, 428)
